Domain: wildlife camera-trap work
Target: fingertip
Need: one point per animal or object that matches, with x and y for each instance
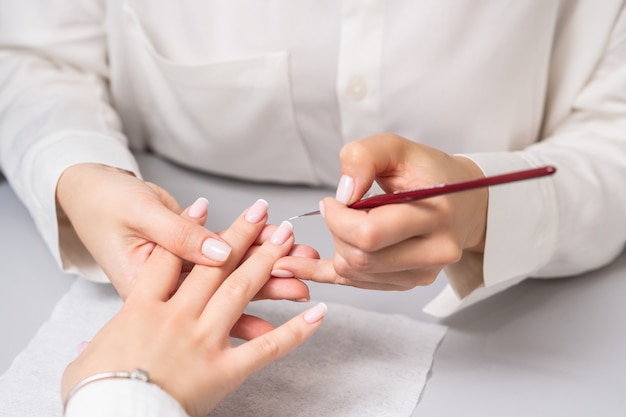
(199, 208)
(315, 314)
(257, 211)
(282, 233)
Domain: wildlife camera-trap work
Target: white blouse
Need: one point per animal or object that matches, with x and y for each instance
(271, 90)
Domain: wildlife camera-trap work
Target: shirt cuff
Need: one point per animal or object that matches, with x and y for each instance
(521, 235)
(52, 156)
(123, 397)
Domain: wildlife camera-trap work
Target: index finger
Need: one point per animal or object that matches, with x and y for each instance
(377, 228)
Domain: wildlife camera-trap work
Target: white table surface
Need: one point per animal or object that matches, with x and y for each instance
(543, 348)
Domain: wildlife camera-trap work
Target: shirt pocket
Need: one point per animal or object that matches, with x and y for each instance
(233, 117)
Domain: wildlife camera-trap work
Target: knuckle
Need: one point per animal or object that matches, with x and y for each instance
(416, 278)
(450, 252)
(184, 236)
(268, 346)
(367, 237)
(425, 279)
(352, 151)
(237, 286)
(354, 262)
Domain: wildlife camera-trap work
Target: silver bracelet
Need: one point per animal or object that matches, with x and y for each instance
(138, 374)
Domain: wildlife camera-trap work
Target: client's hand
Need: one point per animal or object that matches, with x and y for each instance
(120, 219)
(180, 332)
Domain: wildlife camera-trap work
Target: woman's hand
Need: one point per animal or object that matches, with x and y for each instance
(180, 332)
(399, 246)
(120, 219)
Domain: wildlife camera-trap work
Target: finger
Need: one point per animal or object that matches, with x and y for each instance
(182, 236)
(203, 281)
(323, 271)
(378, 228)
(158, 276)
(386, 280)
(161, 273)
(283, 289)
(434, 251)
(232, 297)
(304, 251)
(261, 351)
(249, 327)
(296, 250)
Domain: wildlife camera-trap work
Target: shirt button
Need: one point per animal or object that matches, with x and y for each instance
(357, 88)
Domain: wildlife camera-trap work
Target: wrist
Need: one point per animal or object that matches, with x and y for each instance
(136, 374)
(475, 204)
(71, 179)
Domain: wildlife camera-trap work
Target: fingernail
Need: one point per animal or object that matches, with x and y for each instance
(345, 189)
(322, 211)
(315, 314)
(81, 347)
(199, 208)
(281, 234)
(281, 273)
(215, 249)
(301, 300)
(257, 211)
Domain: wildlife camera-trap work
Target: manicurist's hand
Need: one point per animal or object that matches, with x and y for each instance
(120, 219)
(179, 332)
(399, 246)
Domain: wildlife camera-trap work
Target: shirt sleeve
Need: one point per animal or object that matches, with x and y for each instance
(566, 224)
(123, 398)
(55, 110)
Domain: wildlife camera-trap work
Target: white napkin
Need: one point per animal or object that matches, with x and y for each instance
(359, 363)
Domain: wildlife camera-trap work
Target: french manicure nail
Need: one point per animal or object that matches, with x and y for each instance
(199, 208)
(215, 249)
(281, 234)
(315, 314)
(281, 273)
(345, 189)
(257, 211)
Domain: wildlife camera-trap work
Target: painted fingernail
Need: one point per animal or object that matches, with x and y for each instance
(345, 189)
(281, 234)
(315, 314)
(199, 208)
(257, 211)
(215, 249)
(281, 273)
(322, 211)
(81, 347)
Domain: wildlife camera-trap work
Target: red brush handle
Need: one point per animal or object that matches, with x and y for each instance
(436, 190)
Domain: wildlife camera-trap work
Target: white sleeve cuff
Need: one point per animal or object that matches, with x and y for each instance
(521, 232)
(53, 155)
(123, 398)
